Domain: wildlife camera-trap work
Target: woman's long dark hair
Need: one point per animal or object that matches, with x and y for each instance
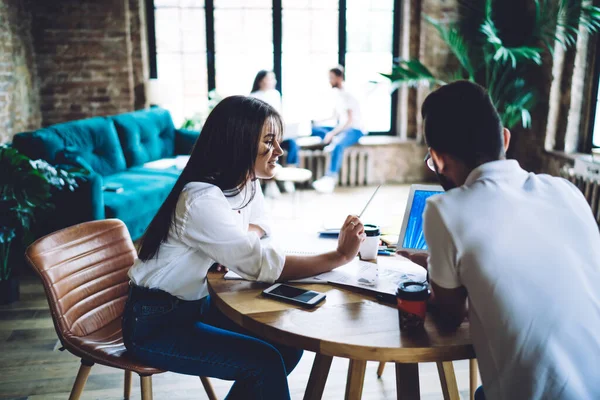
(224, 155)
(258, 79)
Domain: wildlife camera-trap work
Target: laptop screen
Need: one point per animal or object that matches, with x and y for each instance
(414, 238)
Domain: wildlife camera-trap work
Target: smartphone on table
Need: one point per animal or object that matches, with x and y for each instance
(291, 294)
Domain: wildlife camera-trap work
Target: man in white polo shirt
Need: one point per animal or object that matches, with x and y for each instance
(523, 248)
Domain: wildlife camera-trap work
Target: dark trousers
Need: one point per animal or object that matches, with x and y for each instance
(194, 338)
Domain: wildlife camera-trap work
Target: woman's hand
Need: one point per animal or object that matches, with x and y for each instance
(259, 231)
(351, 236)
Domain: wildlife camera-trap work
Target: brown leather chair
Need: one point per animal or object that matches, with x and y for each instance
(84, 272)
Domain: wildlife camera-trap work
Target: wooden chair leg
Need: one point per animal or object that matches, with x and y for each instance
(82, 375)
(146, 383)
(380, 369)
(448, 380)
(473, 378)
(127, 385)
(356, 379)
(318, 377)
(210, 392)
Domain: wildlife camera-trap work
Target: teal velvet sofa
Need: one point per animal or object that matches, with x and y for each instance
(114, 151)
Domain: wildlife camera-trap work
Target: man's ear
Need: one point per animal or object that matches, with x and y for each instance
(439, 160)
(506, 139)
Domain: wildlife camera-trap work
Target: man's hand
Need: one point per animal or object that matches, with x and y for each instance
(219, 268)
(419, 258)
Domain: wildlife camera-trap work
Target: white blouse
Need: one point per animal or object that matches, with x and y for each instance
(210, 229)
(271, 97)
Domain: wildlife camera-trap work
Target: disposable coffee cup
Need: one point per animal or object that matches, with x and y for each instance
(411, 297)
(368, 248)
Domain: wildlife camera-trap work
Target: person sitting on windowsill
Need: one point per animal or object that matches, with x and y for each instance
(346, 133)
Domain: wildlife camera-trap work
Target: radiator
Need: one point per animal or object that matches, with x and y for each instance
(355, 170)
(589, 186)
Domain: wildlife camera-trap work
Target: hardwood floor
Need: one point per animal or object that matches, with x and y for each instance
(32, 367)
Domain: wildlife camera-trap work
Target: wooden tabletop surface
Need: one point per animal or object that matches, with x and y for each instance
(347, 324)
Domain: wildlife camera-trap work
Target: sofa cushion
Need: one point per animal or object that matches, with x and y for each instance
(146, 135)
(95, 140)
(142, 196)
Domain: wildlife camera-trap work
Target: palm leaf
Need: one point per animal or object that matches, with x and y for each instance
(558, 21)
(457, 44)
(504, 54)
(512, 95)
(411, 73)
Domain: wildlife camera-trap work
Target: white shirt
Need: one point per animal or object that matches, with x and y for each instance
(209, 229)
(271, 97)
(344, 102)
(527, 250)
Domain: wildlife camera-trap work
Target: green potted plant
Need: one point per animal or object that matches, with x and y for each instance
(26, 187)
(485, 55)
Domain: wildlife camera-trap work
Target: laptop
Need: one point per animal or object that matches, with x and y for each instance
(411, 236)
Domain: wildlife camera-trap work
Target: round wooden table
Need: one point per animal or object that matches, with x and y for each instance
(350, 324)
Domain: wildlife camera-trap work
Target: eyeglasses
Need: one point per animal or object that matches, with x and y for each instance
(429, 162)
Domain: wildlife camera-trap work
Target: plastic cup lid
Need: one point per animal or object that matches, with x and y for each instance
(372, 230)
(411, 290)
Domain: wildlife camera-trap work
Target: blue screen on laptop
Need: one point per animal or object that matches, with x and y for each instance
(414, 238)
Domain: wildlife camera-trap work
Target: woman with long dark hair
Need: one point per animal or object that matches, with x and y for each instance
(264, 88)
(215, 215)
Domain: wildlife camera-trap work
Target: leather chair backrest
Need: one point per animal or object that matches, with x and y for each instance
(84, 272)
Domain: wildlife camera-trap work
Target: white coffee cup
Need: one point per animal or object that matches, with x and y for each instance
(368, 248)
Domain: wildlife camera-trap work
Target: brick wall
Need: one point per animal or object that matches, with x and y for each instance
(139, 52)
(19, 92)
(84, 58)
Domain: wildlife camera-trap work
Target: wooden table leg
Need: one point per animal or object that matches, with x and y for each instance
(473, 378)
(318, 377)
(356, 378)
(407, 381)
(448, 380)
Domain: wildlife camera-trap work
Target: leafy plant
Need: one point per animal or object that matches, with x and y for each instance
(25, 189)
(486, 57)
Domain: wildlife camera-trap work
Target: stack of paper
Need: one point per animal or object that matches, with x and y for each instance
(380, 278)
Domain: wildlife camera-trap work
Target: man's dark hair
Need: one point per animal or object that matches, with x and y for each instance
(461, 120)
(338, 71)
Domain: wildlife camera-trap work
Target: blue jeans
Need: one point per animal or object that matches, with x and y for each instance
(340, 142)
(292, 149)
(194, 338)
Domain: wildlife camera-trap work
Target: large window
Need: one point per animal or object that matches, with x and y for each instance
(243, 43)
(221, 44)
(369, 26)
(596, 129)
(181, 57)
(309, 50)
